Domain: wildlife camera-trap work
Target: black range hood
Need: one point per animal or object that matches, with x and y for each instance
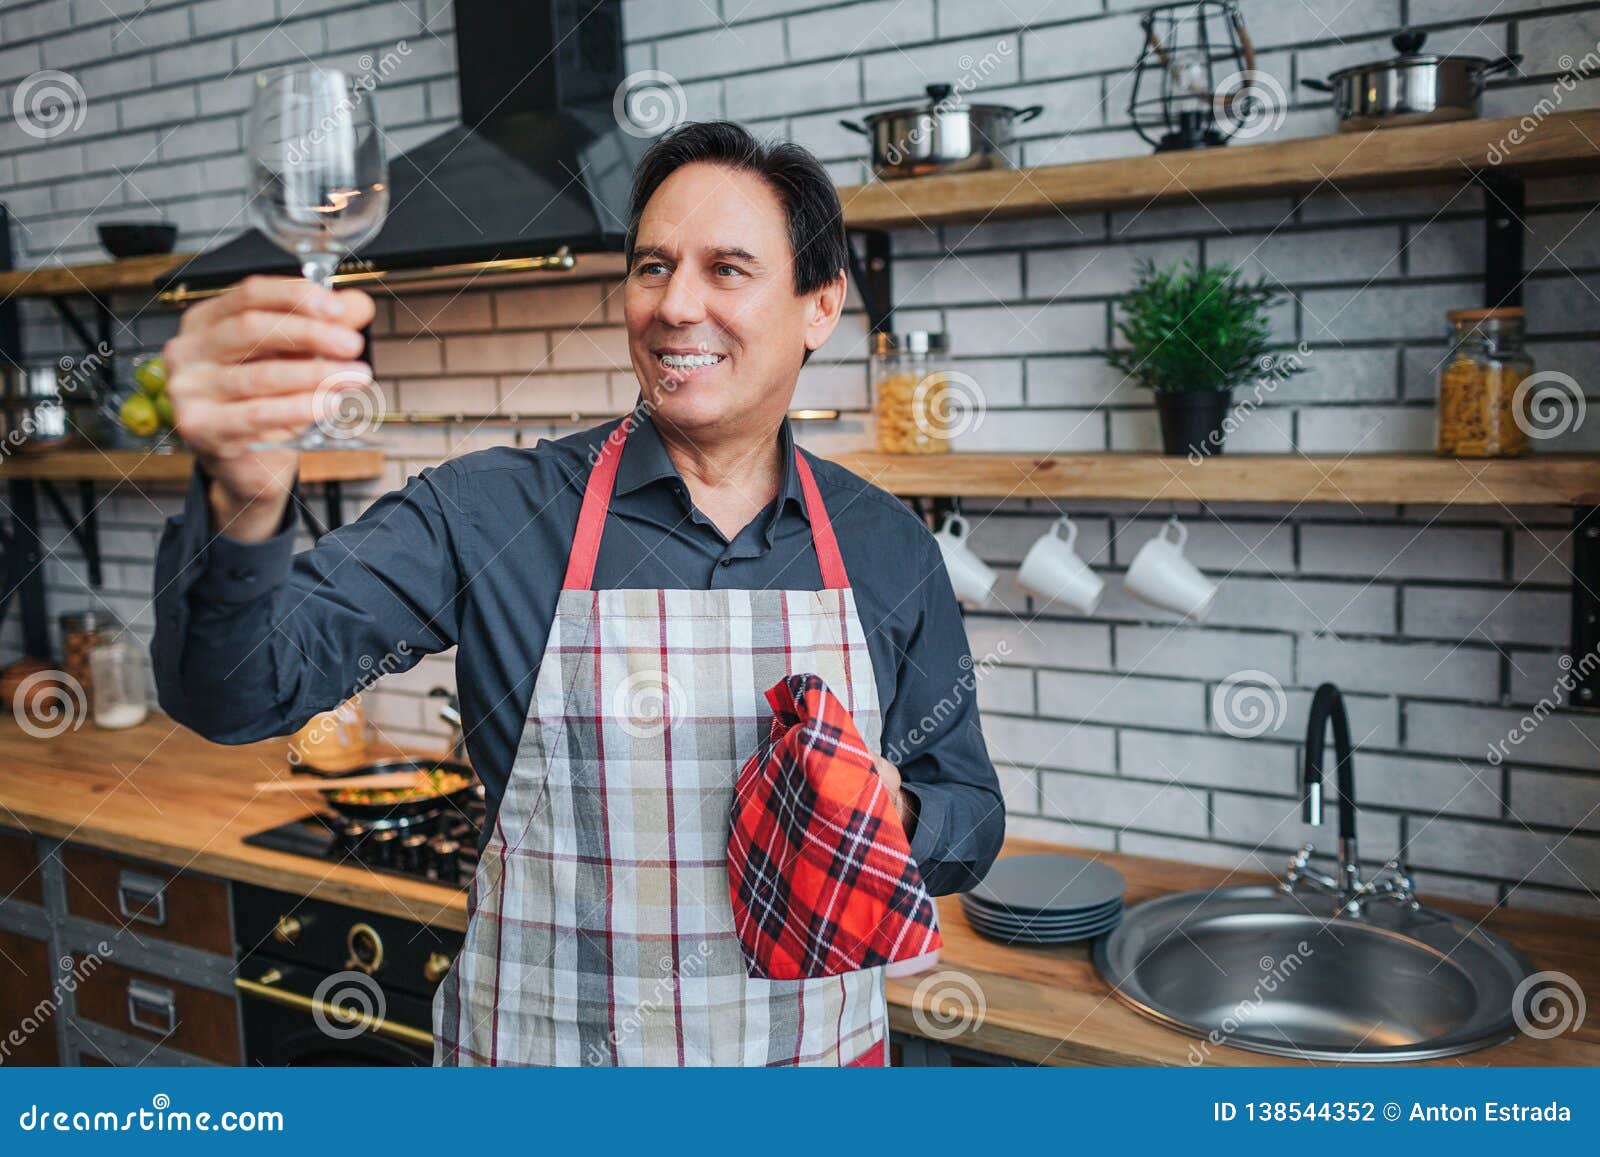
(538, 162)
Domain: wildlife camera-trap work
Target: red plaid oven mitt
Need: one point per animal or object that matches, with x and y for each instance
(819, 868)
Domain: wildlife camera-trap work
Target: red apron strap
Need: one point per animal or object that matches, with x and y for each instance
(592, 516)
(597, 499)
(828, 556)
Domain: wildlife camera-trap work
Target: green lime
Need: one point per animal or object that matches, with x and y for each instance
(150, 375)
(139, 416)
(164, 411)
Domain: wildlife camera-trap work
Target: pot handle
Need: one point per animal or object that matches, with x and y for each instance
(854, 127)
(1024, 115)
(1317, 85)
(1501, 65)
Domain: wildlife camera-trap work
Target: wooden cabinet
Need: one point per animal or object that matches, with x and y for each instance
(28, 1005)
(161, 1010)
(148, 899)
(19, 869)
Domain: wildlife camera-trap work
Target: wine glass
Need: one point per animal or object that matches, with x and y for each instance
(319, 189)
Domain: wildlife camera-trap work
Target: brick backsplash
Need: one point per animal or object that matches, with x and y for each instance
(1444, 625)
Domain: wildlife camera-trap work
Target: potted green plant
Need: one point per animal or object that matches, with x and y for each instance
(1192, 333)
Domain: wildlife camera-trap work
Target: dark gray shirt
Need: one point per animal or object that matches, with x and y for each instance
(253, 639)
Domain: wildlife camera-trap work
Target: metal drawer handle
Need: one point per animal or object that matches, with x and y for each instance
(162, 1001)
(142, 898)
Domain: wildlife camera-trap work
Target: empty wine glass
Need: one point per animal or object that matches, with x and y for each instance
(319, 189)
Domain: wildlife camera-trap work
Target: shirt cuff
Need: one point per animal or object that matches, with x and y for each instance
(234, 571)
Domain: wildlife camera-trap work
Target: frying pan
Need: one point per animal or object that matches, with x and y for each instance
(369, 813)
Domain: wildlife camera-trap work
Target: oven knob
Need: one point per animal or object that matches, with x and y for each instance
(446, 860)
(288, 929)
(436, 968)
(366, 948)
(380, 847)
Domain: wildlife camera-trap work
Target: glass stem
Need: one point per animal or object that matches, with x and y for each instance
(318, 268)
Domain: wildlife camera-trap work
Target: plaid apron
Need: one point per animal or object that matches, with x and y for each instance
(600, 930)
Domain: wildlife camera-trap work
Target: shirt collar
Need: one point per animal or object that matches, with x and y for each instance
(645, 460)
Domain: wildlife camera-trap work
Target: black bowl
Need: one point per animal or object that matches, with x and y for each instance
(137, 238)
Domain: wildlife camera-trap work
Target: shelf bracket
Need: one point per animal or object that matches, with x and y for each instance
(25, 569)
(85, 529)
(871, 275)
(1585, 607)
(1504, 232)
(333, 503)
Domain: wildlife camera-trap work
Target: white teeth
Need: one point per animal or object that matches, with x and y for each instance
(689, 361)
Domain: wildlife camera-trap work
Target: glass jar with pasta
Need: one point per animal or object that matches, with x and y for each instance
(1478, 400)
(911, 402)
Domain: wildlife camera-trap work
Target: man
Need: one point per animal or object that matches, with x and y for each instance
(620, 599)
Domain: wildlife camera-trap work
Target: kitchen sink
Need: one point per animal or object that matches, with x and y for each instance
(1256, 968)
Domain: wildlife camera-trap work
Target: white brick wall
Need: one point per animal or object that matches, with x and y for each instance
(1445, 626)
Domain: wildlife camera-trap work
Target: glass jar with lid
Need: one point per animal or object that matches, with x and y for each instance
(911, 402)
(118, 697)
(1478, 403)
(81, 632)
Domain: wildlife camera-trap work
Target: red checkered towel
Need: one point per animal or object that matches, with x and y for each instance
(819, 867)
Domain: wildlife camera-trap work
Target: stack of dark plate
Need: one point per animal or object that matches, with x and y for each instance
(1046, 899)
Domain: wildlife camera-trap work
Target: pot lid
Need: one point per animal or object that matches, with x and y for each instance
(942, 100)
(1409, 45)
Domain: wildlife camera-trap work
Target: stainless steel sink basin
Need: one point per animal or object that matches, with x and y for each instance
(1260, 969)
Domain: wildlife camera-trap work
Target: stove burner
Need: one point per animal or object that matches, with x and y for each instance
(441, 848)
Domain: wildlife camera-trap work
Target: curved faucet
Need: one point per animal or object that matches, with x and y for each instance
(1392, 882)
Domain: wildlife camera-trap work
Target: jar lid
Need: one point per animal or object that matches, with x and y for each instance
(911, 341)
(1512, 312)
(90, 620)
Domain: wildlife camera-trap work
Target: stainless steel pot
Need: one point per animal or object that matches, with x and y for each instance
(942, 136)
(1413, 88)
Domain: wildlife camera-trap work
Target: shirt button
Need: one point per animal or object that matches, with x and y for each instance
(726, 562)
(242, 574)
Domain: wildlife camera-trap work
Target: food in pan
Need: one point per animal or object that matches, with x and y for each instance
(435, 782)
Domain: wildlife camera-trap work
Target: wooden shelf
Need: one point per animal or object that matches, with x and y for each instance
(1384, 479)
(1563, 143)
(101, 277)
(142, 466)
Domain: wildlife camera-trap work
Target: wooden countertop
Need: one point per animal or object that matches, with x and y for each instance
(160, 792)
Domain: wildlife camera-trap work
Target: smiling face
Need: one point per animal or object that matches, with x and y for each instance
(716, 332)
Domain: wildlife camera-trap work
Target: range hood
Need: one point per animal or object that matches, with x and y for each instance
(537, 170)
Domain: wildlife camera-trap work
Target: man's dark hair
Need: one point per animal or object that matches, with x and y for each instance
(816, 222)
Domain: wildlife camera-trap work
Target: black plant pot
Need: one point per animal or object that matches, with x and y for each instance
(1191, 421)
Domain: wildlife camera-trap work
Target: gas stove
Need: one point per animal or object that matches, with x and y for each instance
(441, 848)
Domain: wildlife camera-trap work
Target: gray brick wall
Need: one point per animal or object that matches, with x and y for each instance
(1445, 626)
